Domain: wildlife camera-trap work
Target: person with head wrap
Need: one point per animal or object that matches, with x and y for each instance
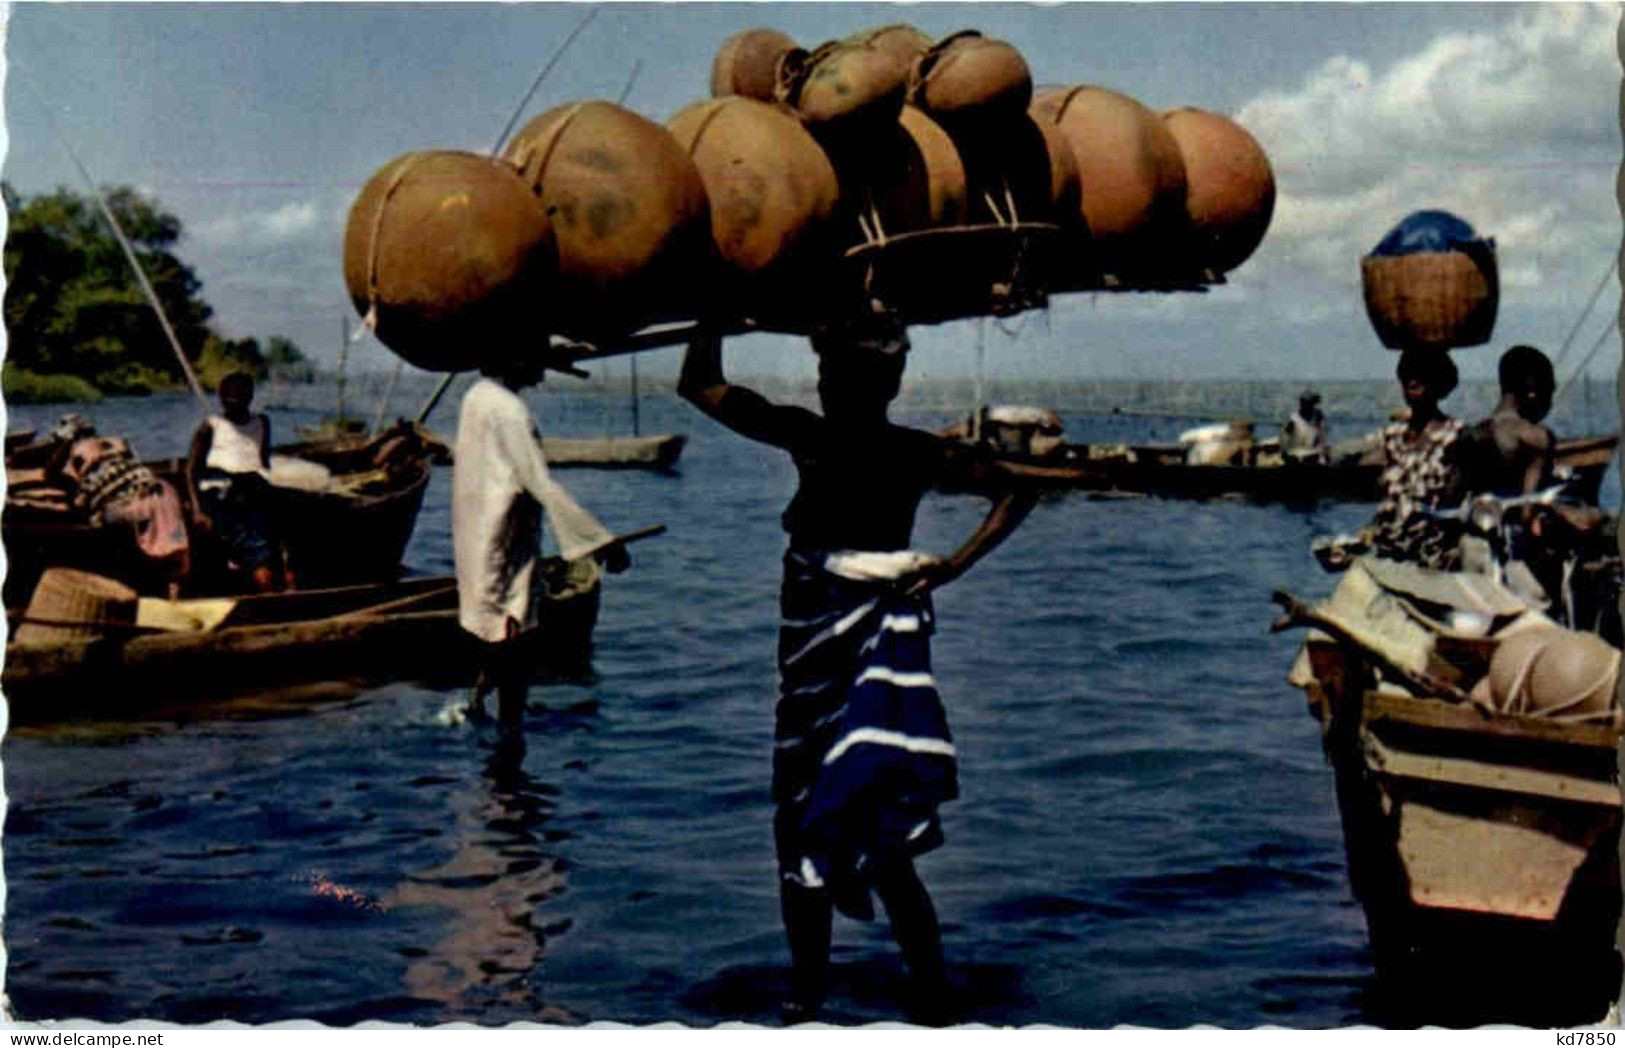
(862, 755)
(1421, 465)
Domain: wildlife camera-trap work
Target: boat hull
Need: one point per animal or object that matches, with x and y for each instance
(1484, 851)
(654, 452)
(405, 630)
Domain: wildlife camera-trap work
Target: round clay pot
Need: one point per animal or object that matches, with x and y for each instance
(629, 212)
(1230, 189)
(448, 254)
(747, 64)
(972, 77)
(1131, 173)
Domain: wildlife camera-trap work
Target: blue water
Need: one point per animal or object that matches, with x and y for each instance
(1146, 834)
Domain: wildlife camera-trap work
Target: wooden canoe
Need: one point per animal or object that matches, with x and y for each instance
(1483, 847)
(400, 630)
(355, 531)
(658, 452)
(1160, 470)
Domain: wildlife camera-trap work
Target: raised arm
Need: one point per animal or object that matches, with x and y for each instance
(742, 410)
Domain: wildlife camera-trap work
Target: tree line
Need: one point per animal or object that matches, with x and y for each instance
(77, 322)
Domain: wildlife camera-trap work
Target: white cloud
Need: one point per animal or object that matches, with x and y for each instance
(256, 230)
(1514, 128)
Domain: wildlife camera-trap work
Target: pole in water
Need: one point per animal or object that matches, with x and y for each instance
(344, 349)
(633, 360)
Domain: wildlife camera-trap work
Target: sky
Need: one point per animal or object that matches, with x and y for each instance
(257, 124)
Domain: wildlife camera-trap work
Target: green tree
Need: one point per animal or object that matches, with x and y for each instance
(73, 306)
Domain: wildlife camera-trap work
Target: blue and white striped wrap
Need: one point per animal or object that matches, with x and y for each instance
(862, 753)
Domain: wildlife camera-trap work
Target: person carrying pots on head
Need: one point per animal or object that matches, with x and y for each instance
(228, 477)
(862, 754)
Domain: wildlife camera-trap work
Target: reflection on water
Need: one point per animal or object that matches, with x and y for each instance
(491, 948)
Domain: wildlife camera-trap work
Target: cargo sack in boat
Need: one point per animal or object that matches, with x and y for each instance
(1229, 187)
(446, 255)
(968, 76)
(844, 86)
(747, 64)
(629, 214)
(772, 190)
(1431, 283)
(1132, 179)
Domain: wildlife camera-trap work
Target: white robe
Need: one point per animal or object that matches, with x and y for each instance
(500, 486)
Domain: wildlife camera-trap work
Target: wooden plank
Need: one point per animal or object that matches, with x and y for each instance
(1482, 775)
(1435, 713)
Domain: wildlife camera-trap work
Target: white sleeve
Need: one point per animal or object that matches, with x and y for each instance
(574, 528)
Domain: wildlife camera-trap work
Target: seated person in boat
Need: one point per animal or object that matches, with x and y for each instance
(501, 487)
(1512, 450)
(228, 473)
(1304, 434)
(1422, 466)
(862, 756)
(109, 485)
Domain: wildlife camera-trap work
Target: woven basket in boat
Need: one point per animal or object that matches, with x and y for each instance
(89, 602)
(1433, 299)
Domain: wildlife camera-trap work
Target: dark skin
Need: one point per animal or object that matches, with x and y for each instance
(236, 404)
(1520, 437)
(855, 393)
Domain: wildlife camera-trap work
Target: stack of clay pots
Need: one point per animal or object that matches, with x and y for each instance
(595, 221)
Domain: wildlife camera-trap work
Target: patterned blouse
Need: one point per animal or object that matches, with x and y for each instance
(1419, 474)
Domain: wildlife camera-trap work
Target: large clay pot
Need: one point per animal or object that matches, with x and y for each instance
(1011, 175)
(449, 255)
(846, 87)
(1131, 173)
(1230, 189)
(971, 77)
(904, 41)
(629, 212)
(1554, 672)
(771, 188)
(747, 64)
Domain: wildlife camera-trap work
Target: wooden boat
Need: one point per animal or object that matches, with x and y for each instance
(130, 653)
(1257, 471)
(1482, 845)
(352, 527)
(654, 452)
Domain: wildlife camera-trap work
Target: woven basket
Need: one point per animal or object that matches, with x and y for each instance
(89, 602)
(1432, 299)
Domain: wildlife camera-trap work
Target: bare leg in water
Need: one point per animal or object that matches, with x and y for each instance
(808, 915)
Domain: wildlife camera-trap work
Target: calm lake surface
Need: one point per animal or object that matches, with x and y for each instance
(1146, 833)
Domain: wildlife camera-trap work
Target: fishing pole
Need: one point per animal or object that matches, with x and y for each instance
(558, 53)
(1610, 330)
(123, 241)
(1586, 312)
(507, 129)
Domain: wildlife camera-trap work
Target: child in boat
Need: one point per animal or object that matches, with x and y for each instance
(862, 756)
(500, 489)
(228, 473)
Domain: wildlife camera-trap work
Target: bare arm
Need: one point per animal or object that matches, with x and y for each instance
(1010, 507)
(746, 412)
(195, 456)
